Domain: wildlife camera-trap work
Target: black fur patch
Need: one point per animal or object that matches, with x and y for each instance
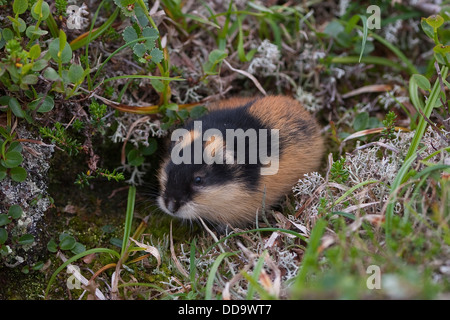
(181, 177)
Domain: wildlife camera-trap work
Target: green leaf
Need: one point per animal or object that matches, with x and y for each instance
(78, 248)
(172, 106)
(435, 21)
(3, 236)
(152, 147)
(150, 32)
(30, 79)
(40, 11)
(198, 111)
(13, 159)
(22, 26)
(62, 40)
(217, 56)
(46, 106)
(4, 219)
(20, 6)
(157, 55)
(4, 101)
(15, 146)
(15, 211)
(51, 74)
(141, 17)
(129, 34)
(3, 173)
(35, 52)
(18, 174)
(139, 49)
(54, 50)
(38, 266)
(39, 65)
(7, 34)
(422, 82)
(429, 31)
(441, 49)
(16, 108)
(158, 85)
(32, 31)
(134, 158)
(67, 243)
(361, 121)
(127, 6)
(334, 28)
(52, 246)
(76, 73)
(26, 239)
(115, 242)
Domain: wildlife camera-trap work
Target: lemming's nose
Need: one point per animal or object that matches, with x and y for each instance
(172, 204)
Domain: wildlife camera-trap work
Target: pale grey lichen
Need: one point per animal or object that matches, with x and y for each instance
(343, 5)
(267, 60)
(140, 132)
(308, 184)
(379, 162)
(309, 101)
(31, 195)
(393, 98)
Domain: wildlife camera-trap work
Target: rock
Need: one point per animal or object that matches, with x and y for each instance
(31, 195)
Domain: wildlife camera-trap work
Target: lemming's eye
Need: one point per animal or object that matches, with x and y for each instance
(198, 180)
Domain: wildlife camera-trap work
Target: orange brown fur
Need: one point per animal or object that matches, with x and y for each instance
(300, 153)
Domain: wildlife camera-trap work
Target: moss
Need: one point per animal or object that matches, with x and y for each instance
(15, 285)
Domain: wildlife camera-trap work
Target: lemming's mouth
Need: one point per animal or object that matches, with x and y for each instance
(184, 211)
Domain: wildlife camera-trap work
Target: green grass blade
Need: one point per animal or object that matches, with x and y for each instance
(76, 257)
(192, 263)
(255, 276)
(394, 188)
(311, 255)
(429, 105)
(369, 60)
(52, 26)
(365, 31)
(349, 191)
(86, 55)
(128, 219)
(212, 274)
(409, 65)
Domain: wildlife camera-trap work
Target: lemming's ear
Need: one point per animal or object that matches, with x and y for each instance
(214, 147)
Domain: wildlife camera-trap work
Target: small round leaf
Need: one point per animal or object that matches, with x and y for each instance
(13, 159)
(422, 82)
(15, 211)
(68, 243)
(3, 236)
(4, 219)
(52, 246)
(20, 6)
(18, 174)
(16, 108)
(76, 73)
(26, 239)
